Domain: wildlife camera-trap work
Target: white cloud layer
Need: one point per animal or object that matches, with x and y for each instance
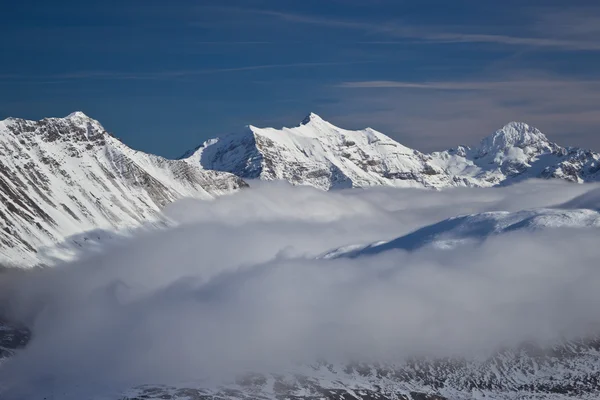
(236, 286)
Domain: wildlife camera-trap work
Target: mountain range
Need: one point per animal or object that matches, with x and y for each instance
(65, 182)
(62, 178)
(319, 154)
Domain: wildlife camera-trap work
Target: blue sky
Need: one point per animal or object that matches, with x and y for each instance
(166, 75)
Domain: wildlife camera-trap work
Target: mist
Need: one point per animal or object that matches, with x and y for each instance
(236, 284)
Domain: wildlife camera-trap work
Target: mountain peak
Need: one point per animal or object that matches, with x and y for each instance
(61, 177)
(513, 134)
(78, 118)
(77, 115)
(310, 118)
(74, 117)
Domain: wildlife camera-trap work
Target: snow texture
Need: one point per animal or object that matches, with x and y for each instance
(61, 177)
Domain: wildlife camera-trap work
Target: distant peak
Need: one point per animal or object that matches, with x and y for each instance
(513, 134)
(80, 119)
(312, 117)
(519, 127)
(77, 115)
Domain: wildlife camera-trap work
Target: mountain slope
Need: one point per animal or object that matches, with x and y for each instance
(476, 228)
(565, 371)
(568, 369)
(320, 154)
(65, 176)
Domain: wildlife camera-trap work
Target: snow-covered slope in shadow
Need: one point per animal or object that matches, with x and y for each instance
(475, 228)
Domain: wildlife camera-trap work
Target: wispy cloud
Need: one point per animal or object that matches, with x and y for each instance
(583, 22)
(545, 38)
(464, 85)
(236, 43)
(446, 37)
(439, 114)
(117, 75)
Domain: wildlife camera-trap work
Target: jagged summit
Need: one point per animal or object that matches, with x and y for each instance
(75, 127)
(320, 154)
(513, 135)
(77, 115)
(305, 127)
(311, 118)
(74, 116)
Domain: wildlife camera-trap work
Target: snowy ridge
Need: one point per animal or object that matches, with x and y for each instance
(475, 228)
(63, 176)
(319, 154)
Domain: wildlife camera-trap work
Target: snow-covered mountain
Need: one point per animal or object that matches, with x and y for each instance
(63, 176)
(320, 154)
(475, 228)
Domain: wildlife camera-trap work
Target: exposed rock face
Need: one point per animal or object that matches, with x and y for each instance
(322, 155)
(12, 338)
(64, 176)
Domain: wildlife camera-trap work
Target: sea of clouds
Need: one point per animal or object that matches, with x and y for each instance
(237, 284)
